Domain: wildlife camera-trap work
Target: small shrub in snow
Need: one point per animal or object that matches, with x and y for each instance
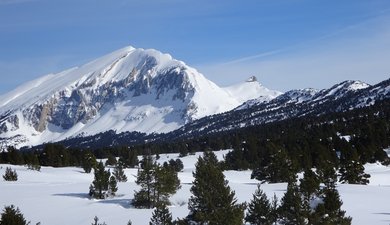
(10, 175)
(35, 167)
(96, 221)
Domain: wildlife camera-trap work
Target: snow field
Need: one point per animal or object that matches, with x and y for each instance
(59, 196)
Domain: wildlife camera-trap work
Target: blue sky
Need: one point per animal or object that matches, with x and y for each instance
(287, 44)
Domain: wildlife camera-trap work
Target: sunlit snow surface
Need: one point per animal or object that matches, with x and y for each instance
(60, 195)
(108, 87)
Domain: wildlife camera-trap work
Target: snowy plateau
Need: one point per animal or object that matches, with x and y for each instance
(60, 195)
(127, 90)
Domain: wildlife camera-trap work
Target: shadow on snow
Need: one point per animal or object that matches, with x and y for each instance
(125, 203)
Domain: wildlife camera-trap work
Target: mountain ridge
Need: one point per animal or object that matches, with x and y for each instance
(127, 90)
(344, 96)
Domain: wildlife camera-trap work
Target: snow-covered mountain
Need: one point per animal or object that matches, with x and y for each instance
(341, 97)
(251, 89)
(127, 90)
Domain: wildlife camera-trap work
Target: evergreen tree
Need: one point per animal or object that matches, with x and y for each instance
(129, 158)
(14, 156)
(10, 175)
(309, 185)
(100, 184)
(234, 160)
(212, 201)
(329, 211)
(113, 186)
(327, 174)
(111, 161)
(309, 188)
(12, 216)
(129, 223)
(88, 162)
(292, 210)
(352, 170)
(157, 183)
(145, 178)
(54, 155)
(119, 173)
(166, 183)
(276, 166)
(161, 216)
(177, 165)
(259, 209)
(33, 163)
(274, 208)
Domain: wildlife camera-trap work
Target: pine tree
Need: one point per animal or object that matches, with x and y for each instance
(33, 162)
(327, 174)
(10, 175)
(166, 183)
(352, 171)
(111, 161)
(88, 162)
(119, 173)
(14, 156)
(113, 186)
(12, 216)
(129, 158)
(309, 185)
(276, 168)
(309, 188)
(157, 183)
(161, 216)
(145, 178)
(212, 200)
(177, 164)
(292, 210)
(274, 209)
(329, 211)
(100, 184)
(259, 209)
(235, 160)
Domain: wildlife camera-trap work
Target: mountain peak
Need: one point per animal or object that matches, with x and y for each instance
(251, 92)
(131, 89)
(354, 85)
(252, 79)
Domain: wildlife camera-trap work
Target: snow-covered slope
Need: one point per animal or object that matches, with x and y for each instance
(60, 195)
(127, 90)
(251, 89)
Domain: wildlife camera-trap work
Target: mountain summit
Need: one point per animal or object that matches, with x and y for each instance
(127, 90)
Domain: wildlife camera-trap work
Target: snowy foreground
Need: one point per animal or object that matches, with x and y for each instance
(59, 196)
